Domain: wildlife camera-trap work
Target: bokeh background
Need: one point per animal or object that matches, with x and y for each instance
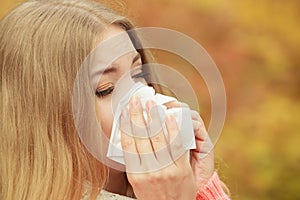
(256, 45)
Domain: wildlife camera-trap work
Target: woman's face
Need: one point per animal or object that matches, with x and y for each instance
(109, 74)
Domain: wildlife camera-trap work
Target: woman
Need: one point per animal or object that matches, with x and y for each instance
(42, 46)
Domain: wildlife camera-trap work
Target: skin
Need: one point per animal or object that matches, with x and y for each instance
(182, 177)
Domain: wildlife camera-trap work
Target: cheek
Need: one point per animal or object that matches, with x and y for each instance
(104, 115)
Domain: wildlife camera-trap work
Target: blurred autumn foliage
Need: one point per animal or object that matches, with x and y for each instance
(256, 45)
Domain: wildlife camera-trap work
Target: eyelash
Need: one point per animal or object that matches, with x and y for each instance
(108, 91)
(103, 93)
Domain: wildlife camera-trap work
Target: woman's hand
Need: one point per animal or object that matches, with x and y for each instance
(157, 167)
(201, 158)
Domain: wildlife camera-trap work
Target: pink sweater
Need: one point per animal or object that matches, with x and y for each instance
(212, 190)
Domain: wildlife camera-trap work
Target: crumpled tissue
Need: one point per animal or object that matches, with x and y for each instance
(144, 92)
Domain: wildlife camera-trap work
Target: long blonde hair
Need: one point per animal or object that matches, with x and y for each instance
(42, 45)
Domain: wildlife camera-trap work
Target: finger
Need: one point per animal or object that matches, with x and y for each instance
(175, 104)
(200, 134)
(199, 130)
(139, 128)
(203, 142)
(195, 116)
(131, 156)
(206, 147)
(127, 141)
(158, 136)
(136, 116)
(153, 118)
(174, 138)
(197, 125)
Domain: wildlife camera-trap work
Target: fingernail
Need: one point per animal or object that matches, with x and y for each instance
(149, 105)
(134, 101)
(169, 119)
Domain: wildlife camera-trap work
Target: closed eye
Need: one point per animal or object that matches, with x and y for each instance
(104, 92)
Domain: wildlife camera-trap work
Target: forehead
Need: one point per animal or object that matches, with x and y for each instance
(113, 43)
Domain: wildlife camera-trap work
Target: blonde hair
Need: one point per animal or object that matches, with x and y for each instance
(42, 45)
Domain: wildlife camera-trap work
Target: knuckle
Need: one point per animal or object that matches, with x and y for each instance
(155, 178)
(172, 176)
(196, 125)
(144, 145)
(157, 138)
(127, 143)
(194, 113)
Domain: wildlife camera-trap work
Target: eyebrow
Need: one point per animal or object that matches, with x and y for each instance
(108, 70)
(113, 67)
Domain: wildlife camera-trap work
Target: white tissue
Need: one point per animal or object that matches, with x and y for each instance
(182, 116)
